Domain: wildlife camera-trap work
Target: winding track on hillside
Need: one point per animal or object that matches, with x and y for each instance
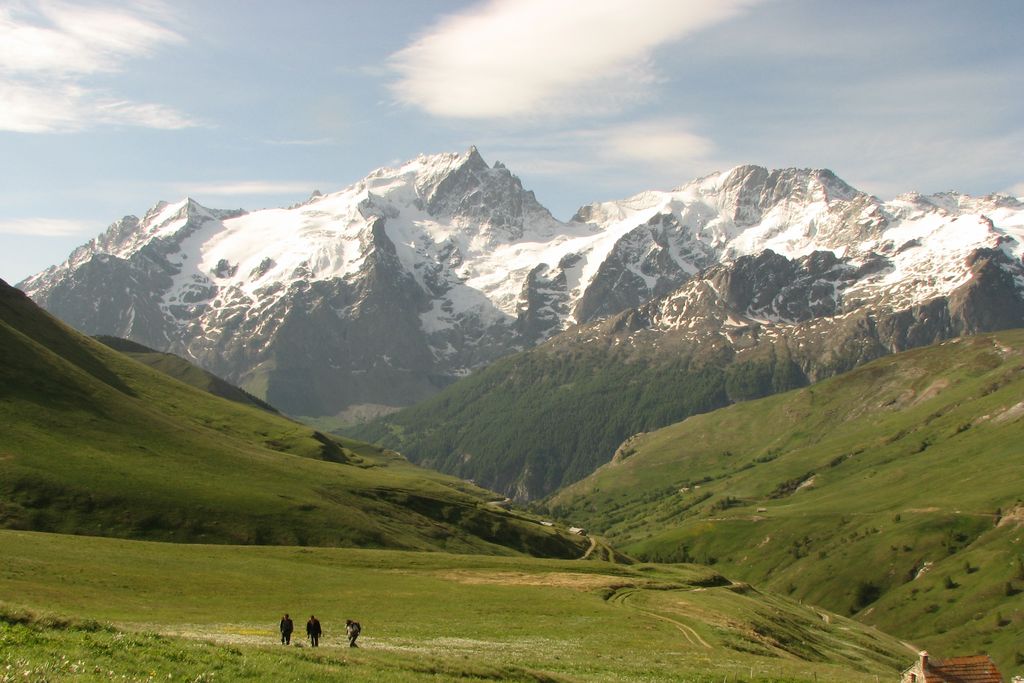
(621, 597)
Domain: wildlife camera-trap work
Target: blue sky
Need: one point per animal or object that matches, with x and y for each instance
(106, 107)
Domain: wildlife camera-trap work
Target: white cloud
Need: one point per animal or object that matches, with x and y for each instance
(660, 146)
(30, 108)
(665, 142)
(1017, 190)
(514, 58)
(48, 51)
(143, 114)
(312, 142)
(247, 187)
(44, 227)
(56, 38)
(37, 109)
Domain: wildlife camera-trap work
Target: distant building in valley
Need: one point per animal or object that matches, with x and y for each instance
(972, 669)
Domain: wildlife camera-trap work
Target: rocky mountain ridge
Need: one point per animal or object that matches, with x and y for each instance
(818, 314)
(378, 295)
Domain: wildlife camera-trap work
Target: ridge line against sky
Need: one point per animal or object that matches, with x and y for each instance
(108, 107)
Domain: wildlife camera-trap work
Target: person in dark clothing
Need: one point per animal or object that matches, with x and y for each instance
(352, 628)
(313, 630)
(286, 630)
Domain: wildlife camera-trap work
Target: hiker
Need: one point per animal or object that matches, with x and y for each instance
(352, 628)
(313, 630)
(286, 630)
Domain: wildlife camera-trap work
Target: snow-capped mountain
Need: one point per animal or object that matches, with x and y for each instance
(915, 247)
(801, 267)
(379, 294)
(376, 295)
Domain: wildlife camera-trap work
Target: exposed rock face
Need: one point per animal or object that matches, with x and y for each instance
(384, 292)
(805, 306)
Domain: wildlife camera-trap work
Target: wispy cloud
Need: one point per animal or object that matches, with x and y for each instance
(31, 108)
(45, 227)
(246, 188)
(148, 115)
(534, 58)
(312, 142)
(49, 51)
(662, 142)
(1017, 190)
(662, 152)
(34, 108)
(56, 38)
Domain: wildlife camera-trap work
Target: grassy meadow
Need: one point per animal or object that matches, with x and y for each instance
(159, 611)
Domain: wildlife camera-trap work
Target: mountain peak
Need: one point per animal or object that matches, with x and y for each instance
(163, 211)
(439, 166)
(473, 157)
(754, 177)
(462, 186)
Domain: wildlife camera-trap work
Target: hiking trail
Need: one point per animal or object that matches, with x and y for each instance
(622, 595)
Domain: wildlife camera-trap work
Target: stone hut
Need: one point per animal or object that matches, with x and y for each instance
(972, 669)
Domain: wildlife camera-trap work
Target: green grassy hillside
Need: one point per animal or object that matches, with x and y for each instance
(892, 493)
(97, 443)
(183, 371)
(211, 613)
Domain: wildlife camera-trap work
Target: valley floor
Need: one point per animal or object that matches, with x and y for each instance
(150, 611)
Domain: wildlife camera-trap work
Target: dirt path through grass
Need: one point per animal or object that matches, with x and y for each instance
(691, 635)
(260, 635)
(621, 598)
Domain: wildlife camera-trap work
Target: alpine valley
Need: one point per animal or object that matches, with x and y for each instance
(639, 312)
(722, 383)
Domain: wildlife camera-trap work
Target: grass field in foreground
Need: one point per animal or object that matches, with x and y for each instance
(194, 612)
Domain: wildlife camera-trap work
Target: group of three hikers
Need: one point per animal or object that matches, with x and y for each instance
(314, 631)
